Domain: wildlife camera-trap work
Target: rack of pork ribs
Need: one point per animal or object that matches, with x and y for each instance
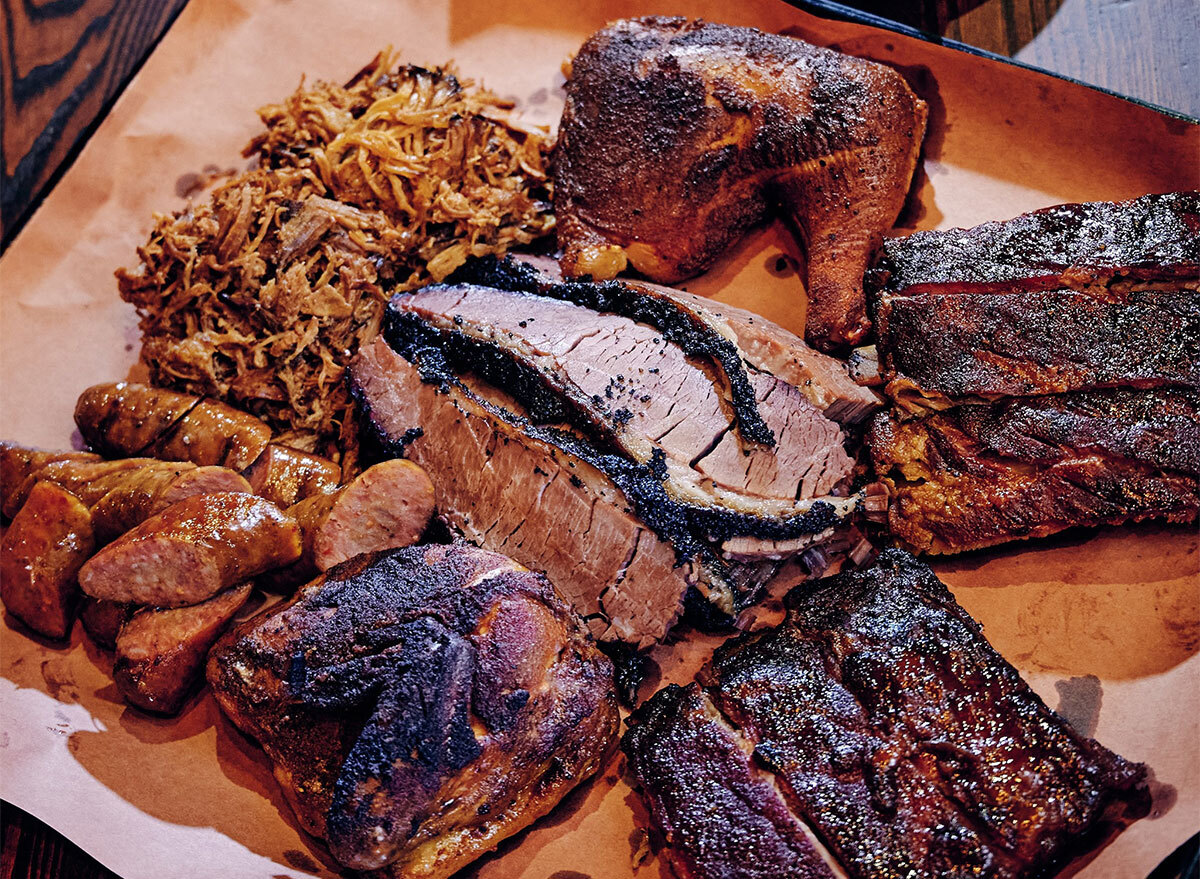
(875, 730)
(638, 444)
(1044, 372)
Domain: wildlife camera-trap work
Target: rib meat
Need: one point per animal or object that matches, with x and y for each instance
(678, 135)
(1088, 246)
(973, 476)
(897, 734)
(420, 705)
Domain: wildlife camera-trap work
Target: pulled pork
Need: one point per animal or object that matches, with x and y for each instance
(261, 295)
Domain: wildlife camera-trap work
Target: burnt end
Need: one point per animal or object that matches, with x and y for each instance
(888, 725)
(1151, 238)
(1022, 343)
(974, 476)
(388, 682)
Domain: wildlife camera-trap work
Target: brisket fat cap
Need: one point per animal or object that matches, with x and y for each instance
(891, 730)
(420, 704)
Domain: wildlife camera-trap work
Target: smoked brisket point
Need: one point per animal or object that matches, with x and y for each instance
(420, 705)
(890, 729)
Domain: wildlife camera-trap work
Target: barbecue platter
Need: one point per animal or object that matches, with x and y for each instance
(440, 482)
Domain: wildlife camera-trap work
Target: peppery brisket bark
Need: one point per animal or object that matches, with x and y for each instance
(882, 719)
(622, 551)
(624, 382)
(735, 339)
(625, 427)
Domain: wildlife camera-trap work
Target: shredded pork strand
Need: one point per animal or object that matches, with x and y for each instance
(261, 294)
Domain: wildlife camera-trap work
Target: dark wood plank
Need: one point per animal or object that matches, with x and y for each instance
(62, 64)
(31, 850)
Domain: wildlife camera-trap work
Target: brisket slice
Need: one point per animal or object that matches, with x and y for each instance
(528, 499)
(637, 391)
(974, 476)
(895, 731)
(702, 325)
(940, 349)
(1077, 246)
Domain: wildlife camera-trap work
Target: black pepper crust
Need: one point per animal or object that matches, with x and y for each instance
(441, 355)
(678, 324)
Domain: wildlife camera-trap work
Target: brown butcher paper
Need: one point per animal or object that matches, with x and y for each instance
(1104, 625)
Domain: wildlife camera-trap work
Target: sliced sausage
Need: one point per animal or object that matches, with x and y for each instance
(386, 506)
(193, 550)
(48, 540)
(161, 653)
(285, 476)
(127, 418)
(91, 480)
(102, 619)
(135, 495)
(214, 433)
(18, 463)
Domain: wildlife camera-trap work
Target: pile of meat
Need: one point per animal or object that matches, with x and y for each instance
(632, 441)
(259, 294)
(1045, 372)
(161, 543)
(875, 730)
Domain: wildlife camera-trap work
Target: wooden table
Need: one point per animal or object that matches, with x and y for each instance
(66, 62)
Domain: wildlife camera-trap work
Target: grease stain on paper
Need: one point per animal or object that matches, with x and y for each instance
(1079, 701)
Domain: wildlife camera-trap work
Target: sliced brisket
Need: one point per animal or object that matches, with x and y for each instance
(894, 731)
(974, 476)
(762, 345)
(528, 499)
(641, 392)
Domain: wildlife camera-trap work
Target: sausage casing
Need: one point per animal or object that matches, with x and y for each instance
(43, 549)
(193, 550)
(160, 653)
(286, 476)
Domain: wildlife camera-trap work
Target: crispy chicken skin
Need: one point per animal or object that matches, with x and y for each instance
(420, 705)
(678, 135)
